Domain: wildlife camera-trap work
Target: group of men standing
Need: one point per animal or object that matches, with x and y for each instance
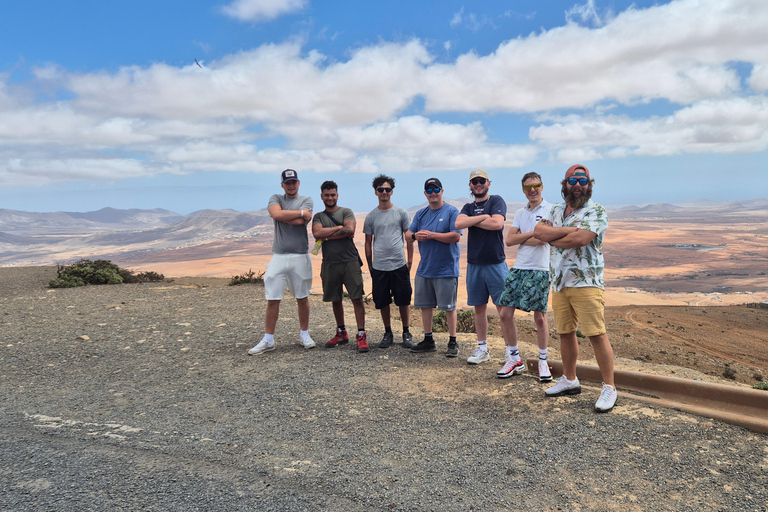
(558, 245)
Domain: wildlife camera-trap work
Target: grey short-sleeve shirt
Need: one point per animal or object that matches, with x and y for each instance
(387, 228)
(290, 239)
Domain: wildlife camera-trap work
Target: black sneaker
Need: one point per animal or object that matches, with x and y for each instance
(424, 346)
(387, 340)
(407, 340)
(452, 350)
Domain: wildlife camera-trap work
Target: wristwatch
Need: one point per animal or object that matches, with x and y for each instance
(413, 235)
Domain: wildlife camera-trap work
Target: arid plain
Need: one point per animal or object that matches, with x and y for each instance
(678, 276)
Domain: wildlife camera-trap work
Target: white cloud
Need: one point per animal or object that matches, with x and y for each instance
(736, 125)
(680, 52)
(357, 114)
(262, 10)
(274, 83)
(585, 13)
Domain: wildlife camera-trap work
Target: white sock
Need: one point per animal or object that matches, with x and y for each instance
(483, 345)
(304, 334)
(543, 354)
(269, 337)
(513, 353)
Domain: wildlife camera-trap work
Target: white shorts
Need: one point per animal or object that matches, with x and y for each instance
(291, 270)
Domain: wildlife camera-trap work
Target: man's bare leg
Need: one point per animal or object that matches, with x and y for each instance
(270, 321)
(604, 355)
(569, 350)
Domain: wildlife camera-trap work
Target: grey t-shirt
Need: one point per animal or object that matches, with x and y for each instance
(290, 239)
(387, 228)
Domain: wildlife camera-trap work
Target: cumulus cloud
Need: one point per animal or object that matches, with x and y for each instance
(262, 10)
(253, 110)
(735, 125)
(680, 52)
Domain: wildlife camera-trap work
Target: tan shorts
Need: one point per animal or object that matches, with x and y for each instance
(579, 305)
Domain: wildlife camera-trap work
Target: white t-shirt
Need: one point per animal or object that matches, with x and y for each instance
(530, 257)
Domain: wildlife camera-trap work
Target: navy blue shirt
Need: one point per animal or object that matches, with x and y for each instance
(485, 247)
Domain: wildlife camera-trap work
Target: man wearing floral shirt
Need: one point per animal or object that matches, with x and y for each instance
(575, 236)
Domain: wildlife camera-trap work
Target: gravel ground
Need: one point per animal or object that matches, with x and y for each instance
(142, 397)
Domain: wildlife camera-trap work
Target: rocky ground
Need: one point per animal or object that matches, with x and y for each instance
(141, 397)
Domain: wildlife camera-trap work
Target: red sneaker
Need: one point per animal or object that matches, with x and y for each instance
(362, 342)
(340, 339)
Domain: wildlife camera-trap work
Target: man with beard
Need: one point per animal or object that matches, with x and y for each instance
(486, 261)
(335, 227)
(437, 277)
(575, 235)
(384, 228)
(290, 264)
(527, 284)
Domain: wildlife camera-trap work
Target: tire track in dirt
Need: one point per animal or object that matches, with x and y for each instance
(629, 316)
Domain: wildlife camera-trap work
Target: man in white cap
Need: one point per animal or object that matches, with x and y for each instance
(486, 261)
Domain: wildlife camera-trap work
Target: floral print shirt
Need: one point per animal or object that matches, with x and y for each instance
(582, 266)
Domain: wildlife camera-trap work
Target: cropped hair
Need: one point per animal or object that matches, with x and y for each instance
(329, 185)
(531, 175)
(382, 179)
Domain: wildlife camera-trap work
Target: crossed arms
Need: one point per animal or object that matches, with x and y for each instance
(293, 217)
(565, 237)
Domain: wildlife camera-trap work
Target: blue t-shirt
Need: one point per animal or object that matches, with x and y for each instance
(438, 259)
(485, 247)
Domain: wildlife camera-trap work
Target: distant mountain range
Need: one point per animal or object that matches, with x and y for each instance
(31, 238)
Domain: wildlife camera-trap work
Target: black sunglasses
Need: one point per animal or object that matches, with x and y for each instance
(581, 181)
(478, 181)
(382, 190)
(436, 190)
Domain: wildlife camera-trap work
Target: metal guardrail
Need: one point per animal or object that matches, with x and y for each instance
(744, 407)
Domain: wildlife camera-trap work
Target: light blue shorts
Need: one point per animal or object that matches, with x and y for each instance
(484, 281)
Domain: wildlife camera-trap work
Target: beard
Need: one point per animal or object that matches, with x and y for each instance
(574, 201)
(477, 196)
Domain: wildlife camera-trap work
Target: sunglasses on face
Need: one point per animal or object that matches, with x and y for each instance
(384, 190)
(581, 181)
(435, 190)
(535, 186)
(478, 181)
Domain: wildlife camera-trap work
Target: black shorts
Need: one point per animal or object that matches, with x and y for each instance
(391, 283)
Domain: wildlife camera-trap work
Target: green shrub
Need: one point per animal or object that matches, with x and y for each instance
(86, 272)
(465, 321)
(761, 385)
(248, 277)
(439, 322)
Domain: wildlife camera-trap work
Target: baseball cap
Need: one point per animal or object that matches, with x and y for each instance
(577, 170)
(479, 173)
(289, 175)
(431, 183)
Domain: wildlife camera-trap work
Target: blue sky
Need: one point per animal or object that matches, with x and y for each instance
(102, 103)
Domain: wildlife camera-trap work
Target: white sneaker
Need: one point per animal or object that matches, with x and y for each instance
(479, 356)
(544, 374)
(262, 347)
(511, 368)
(607, 399)
(307, 342)
(564, 387)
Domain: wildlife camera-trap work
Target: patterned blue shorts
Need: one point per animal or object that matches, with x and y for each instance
(527, 290)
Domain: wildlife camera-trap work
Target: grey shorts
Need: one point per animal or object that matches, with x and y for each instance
(435, 292)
